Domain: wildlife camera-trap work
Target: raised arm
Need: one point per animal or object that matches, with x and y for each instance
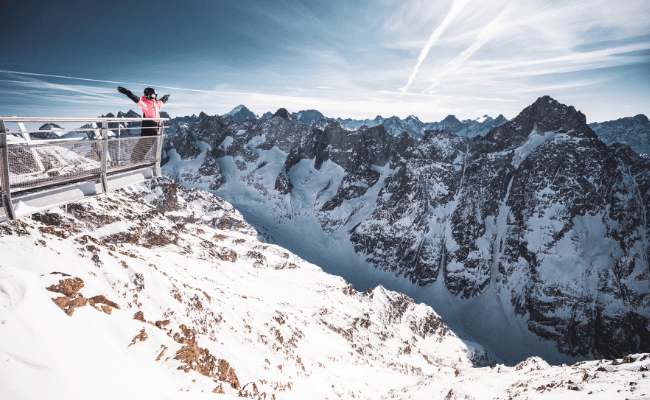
(128, 94)
(164, 98)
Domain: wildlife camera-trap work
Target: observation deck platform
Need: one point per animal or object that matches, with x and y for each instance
(53, 166)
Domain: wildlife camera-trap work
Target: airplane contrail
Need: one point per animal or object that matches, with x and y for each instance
(99, 80)
(456, 7)
(483, 37)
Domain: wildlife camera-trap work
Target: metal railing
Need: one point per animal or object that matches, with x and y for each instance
(94, 153)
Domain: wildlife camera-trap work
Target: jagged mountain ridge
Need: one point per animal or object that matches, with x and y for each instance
(416, 128)
(393, 125)
(632, 131)
(537, 230)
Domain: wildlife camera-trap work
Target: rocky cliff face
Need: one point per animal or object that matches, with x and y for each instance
(632, 131)
(536, 232)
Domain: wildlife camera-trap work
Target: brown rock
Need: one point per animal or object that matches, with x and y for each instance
(227, 374)
(163, 347)
(102, 300)
(67, 287)
(200, 360)
(108, 310)
(78, 302)
(68, 304)
(161, 324)
(62, 302)
(140, 337)
(139, 316)
(218, 390)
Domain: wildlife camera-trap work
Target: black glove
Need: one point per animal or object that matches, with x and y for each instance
(164, 98)
(128, 94)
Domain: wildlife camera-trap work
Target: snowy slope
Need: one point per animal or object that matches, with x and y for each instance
(163, 290)
(536, 232)
(158, 292)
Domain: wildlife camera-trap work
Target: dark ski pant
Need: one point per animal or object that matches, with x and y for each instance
(143, 146)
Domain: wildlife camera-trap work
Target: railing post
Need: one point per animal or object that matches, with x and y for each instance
(157, 170)
(104, 155)
(6, 184)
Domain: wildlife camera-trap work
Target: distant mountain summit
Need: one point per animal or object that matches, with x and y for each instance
(308, 117)
(266, 115)
(240, 113)
(632, 131)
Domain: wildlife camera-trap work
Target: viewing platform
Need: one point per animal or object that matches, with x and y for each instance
(53, 166)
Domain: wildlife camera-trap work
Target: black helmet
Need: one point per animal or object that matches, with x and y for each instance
(150, 93)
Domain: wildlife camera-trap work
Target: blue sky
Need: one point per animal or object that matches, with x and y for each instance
(356, 59)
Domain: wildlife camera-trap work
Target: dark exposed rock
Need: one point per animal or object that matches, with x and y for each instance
(282, 113)
(240, 113)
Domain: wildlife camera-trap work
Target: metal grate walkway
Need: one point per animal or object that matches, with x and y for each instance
(52, 166)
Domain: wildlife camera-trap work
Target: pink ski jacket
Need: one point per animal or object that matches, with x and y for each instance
(150, 108)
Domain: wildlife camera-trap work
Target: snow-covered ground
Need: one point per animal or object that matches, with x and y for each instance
(166, 293)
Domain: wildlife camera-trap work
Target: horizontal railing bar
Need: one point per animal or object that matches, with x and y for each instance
(60, 119)
(121, 168)
(79, 129)
(55, 130)
(50, 182)
(48, 142)
(82, 177)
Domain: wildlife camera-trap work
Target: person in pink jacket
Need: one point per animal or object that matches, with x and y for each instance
(150, 109)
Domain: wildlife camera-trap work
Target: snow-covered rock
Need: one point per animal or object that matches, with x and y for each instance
(632, 131)
(308, 117)
(240, 113)
(532, 238)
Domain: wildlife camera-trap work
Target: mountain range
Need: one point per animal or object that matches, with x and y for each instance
(532, 239)
(393, 125)
(632, 131)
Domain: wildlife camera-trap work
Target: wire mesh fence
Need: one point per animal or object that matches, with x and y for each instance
(131, 151)
(51, 163)
(28, 164)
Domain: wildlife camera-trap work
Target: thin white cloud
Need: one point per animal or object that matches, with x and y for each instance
(456, 8)
(483, 37)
